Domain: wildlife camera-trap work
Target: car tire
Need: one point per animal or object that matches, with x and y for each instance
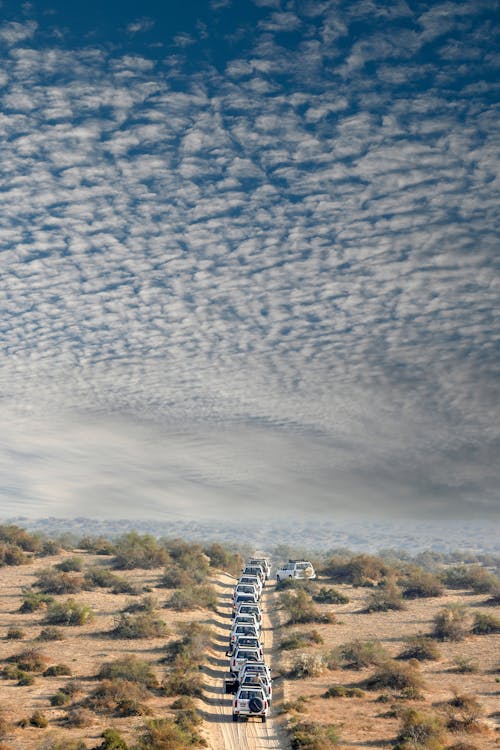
(264, 717)
(256, 705)
(278, 579)
(235, 717)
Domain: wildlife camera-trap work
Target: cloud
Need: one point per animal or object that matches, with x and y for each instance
(140, 25)
(265, 278)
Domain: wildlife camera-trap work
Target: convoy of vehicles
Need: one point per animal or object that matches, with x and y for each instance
(249, 677)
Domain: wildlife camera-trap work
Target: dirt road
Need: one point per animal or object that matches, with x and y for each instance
(222, 733)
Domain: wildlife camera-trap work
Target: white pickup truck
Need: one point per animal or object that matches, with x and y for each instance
(295, 569)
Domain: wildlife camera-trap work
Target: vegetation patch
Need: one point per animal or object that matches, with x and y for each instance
(71, 564)
(133, 550)
(300, 639)
(15, 634)
(360, 654)
(52, 581)
(340, 691)
(422, 648)
(202, 596)
(395, 676)
(310, 735)
(384, 598)
(51, 633)
(141, 625)
(359, 570)
(57, 670)
(300, 608)
(485, 624)
(34, 601)
(329, 595)
(118, 697)
(420, 731)
(70, 612)
(171, 734)
(464, 713)
(130, 668)
(305, 665)
(451, 623)
(30, 660)
(421, 585)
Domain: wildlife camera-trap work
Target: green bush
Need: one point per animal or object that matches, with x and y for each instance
(422, 648)
(189, 556)
(15, 634)
(300, 608)
(98, 545)
(223, 559)
(306, 664)
(183, 682)
(465, 665)
(141, 625)
(30, 660)
(310, 735)
(203, 596)
(464, 713)
(57, 670)
(176, 577)
(118, 697)
(25, 679)
(340, 691)
(133, 550)
(485, 624)
(300, 640)
(147, 604)
(11, 554)
(52, 581)
(112, 740)
(450, 623)
(420, 731)
(60, 699)
(474, 577)
(51, 633)
(360, 654)
(358, 570)
(33, 601)
(71, 564)
(168, 734)
(395, 676)
(420, 585)
(38, 719)
(384, 599)
(19, 537)
(330, 596)
(69, 612)
(130, 668)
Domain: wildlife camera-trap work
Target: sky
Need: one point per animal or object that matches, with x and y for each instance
(249, 258)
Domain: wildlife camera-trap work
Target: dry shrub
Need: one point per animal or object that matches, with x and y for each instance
(202, 596)
(384, 599)
(359, 654)
(129, 668)
(15, 634)
(420, 585)
(300, 608)
(72, 564)
(69, 612)
(142, 625)
(30, 660)
(330, 596)
(310, 735)
(52, 581)
(147, 604)
(57, 670)
(133, 550)
(306, 665)
(34, 601)
(11, 554)
(395, 676)
(474, 577)
(465, 665)
(223, 559)
(60, 699)
(183, 682)
(358, 570)
(422, 648)
(300, 640)
(119, 697)
(340, 691)
(176, 577)
(464, 713)
(420, 731)
(62, 743)
(11, 534)
(79, 718)
(168, 734)
(451, 623)
(485, 624)
(112, 740)
(51, 633)
(39, 720)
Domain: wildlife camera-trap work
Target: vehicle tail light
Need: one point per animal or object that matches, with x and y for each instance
(236, 703)
(265, 704)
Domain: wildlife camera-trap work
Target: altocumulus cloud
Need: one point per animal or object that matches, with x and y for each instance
(256, 261)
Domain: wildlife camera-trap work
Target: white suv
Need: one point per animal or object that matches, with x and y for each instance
(250, 701)
(295, 569)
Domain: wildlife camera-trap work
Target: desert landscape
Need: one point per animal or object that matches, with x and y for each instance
(121, 644)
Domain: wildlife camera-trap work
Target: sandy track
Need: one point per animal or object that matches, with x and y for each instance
(222, 733)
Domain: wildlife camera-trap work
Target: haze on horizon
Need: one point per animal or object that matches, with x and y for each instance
(249, 259)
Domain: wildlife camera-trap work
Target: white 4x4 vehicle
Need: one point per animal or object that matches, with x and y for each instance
(295, 569)
(264, 562)
(250, 701)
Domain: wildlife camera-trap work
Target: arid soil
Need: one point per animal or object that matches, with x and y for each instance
(363, 721)
(367, 722)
